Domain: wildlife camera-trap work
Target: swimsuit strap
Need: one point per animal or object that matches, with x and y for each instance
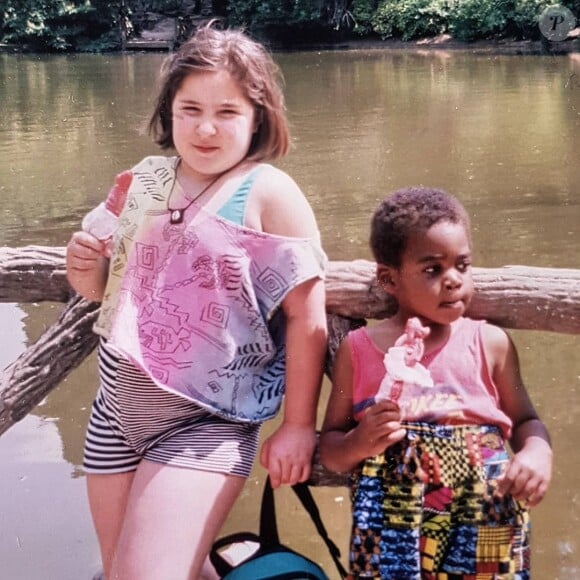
(234, 208)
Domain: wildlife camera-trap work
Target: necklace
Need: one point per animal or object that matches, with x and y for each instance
(176, 214)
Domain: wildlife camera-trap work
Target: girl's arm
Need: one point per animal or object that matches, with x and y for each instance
(281, 209)
(287, 453)
(344, 443)
(529, 471)
(86, 266)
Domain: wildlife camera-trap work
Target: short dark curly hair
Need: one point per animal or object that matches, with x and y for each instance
(409, 211)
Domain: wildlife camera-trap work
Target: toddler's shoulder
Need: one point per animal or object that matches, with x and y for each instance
(491, 332)
(496, 342)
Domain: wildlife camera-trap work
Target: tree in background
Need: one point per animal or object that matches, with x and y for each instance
(99, 25)
(76, 25)
(292, 21)
(60, 25)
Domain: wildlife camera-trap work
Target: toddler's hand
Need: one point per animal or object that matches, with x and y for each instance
(379, 428)
(527, 476)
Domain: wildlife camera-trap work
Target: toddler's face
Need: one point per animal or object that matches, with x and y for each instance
(435, 279)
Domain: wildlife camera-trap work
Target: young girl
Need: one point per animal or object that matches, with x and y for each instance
(212, 308)
(421, 413)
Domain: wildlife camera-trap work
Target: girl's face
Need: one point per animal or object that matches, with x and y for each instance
(213, 123)
(434, 280)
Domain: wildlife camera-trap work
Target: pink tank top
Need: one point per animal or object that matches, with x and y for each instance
(463, 391)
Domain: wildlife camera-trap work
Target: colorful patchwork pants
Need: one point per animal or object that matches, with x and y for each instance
(426, 510)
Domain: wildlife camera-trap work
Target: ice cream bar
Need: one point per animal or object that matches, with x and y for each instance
(118, 193)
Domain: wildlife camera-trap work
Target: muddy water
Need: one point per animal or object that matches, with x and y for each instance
(500, 132)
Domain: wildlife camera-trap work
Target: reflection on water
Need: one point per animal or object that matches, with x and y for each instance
(500, 132)
(503, 133)
(46, 530)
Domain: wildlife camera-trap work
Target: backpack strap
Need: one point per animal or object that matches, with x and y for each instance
(305, 496)
(218, 561)
(269, 527)
(268, 524)
(268, 538)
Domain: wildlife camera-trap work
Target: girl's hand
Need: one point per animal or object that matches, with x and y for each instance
(379, 428)
(528, 474)
(287, 454)
(84, 251)
(87, 265)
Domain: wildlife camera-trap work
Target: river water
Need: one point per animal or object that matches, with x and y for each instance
(501, 132)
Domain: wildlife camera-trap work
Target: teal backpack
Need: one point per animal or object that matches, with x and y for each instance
(272, 560)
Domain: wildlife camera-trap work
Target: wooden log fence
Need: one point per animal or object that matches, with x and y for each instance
(517, 297)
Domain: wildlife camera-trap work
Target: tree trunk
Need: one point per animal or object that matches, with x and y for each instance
(519, 297)
(33, 274)
(206, 8)
(123, 16)
(513, 297)
(65, 344)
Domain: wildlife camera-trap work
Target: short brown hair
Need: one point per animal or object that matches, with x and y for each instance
(250, 64)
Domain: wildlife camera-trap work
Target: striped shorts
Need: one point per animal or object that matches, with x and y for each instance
(134, 419)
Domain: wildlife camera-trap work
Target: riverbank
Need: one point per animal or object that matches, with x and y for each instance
(443, 42)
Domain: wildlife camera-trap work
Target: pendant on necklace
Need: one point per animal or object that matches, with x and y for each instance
(176, 216)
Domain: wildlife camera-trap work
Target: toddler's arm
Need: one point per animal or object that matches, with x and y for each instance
(344, 443)
(530, 469)
(529, 472)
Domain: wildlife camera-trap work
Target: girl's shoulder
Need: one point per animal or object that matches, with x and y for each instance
(273, 181)
(278, 204)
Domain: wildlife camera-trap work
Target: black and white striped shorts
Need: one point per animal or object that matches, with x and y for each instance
(134, 419)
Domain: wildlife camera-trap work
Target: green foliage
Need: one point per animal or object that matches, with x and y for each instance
(292, 22)
(162, 6)
(384, 21)
(96, 25)
(362, 12)
(526, 15)
(409, 19)
(55, 25)
(72, 25)
(574, 6)
(472, 19)
(257, 14)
